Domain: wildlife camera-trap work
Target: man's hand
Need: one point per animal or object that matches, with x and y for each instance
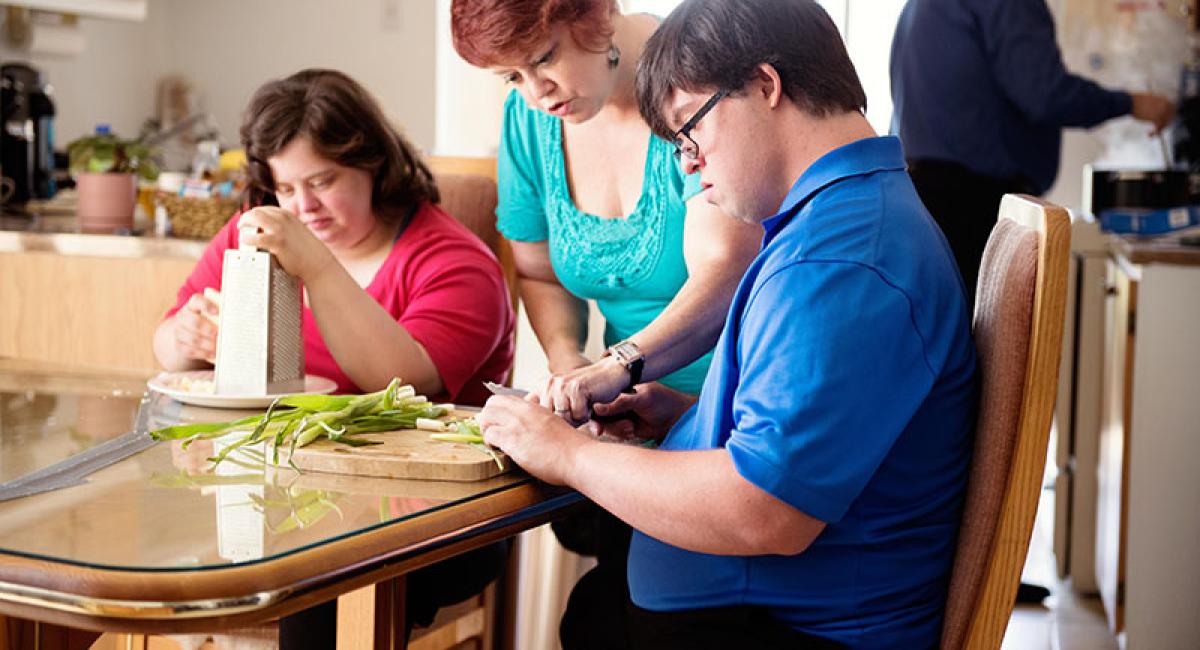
(571, 394)
(1156, 109)
(657, 409)
(542, 443)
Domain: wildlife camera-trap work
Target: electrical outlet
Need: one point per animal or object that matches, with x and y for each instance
(390, 18)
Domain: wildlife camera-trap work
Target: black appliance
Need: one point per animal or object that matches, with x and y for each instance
(26, 133)
(1152, 189)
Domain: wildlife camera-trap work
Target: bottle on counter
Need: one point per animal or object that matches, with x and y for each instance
(207, 158)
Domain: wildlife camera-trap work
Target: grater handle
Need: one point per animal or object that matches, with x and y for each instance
(242, 232)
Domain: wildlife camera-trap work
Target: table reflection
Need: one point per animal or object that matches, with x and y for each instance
(169, 506)
(39, 428)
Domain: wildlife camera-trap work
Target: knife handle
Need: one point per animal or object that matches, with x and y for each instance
(615, 417)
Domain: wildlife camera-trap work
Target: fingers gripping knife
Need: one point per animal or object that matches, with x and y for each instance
(259, 346)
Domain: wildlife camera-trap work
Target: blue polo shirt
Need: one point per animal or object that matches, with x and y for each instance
(844, 385)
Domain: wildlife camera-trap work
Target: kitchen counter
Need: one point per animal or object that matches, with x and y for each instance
(1147, 573)
(89, 300)
(1165, 250)
(60, 234)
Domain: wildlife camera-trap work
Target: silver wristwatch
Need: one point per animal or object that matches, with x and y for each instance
(629, 355)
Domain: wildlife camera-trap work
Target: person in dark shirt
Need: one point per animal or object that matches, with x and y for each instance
(980, 99)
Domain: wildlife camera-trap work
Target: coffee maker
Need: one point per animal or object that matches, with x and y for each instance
(26, 134)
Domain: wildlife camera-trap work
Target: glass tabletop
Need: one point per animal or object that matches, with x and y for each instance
(167, 508)
(40, 427)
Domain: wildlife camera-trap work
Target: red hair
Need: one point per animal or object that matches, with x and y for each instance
(487, 31)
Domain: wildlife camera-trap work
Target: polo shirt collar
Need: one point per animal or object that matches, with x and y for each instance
(860, 157)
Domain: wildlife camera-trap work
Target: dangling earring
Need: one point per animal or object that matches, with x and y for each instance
(614, 56)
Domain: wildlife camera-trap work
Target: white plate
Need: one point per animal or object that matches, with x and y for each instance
(172, 384)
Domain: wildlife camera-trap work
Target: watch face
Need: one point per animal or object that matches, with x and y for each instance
(626, 352)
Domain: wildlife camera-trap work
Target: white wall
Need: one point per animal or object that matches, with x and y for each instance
(1136, 51)
(230, 47)
(867, 27)
(469, 100)
(112, 81)
(868, 32)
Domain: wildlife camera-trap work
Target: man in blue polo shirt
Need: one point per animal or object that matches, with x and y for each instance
(811, 497)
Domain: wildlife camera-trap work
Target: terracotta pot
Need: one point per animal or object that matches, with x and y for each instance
(105, 201)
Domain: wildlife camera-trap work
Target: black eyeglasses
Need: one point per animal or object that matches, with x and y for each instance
(685, 146)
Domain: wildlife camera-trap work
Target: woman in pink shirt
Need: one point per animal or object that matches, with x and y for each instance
(393, 286)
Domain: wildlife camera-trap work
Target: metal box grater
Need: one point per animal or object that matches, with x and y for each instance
(260, 350)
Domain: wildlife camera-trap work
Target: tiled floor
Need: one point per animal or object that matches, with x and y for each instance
(1065, 621)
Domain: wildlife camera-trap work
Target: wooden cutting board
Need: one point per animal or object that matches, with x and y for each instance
(408, 453)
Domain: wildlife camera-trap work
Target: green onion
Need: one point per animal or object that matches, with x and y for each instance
(298, 420)
(467, 431)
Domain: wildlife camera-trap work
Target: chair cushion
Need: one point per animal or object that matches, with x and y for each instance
(471, 199)
(1002, 327)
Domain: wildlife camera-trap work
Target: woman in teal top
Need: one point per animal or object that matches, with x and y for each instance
(596, 206)
(633, 266)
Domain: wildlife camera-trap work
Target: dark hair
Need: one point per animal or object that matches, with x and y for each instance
(712, 44)
(487, 31)
(344, 124)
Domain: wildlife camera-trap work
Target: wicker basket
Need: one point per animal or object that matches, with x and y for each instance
(195, 218)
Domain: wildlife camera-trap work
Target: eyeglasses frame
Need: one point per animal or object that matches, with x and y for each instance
(684, 131)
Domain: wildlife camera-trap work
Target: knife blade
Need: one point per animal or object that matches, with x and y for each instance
(497, 389)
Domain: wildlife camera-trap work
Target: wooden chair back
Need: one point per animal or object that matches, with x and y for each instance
(1018, 325)
(468, 189)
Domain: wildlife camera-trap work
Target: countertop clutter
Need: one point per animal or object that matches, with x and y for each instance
(51, 226)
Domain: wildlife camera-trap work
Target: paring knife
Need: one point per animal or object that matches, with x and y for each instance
(497, 389)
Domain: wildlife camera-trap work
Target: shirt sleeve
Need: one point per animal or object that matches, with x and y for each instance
(520, 215)
(832, 371)
(207, 272)
(1019, 41)
(458, 310)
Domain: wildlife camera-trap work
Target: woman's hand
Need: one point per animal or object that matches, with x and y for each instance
(572, 393)
(195, 331)
(282, 233)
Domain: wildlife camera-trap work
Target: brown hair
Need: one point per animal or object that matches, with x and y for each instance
(344, 124)
(707, 45)
(487, 31)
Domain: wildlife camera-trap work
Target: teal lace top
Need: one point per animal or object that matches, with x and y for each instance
(632, 266)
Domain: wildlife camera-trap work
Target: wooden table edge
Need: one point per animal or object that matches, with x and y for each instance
(240, 595)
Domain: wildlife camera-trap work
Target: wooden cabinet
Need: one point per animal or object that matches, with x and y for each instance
(1113, 469)
(88, 300)
(1149, 462)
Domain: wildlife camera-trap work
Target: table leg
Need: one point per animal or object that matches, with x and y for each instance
(372, 617)
(503, 635)
(20, 634)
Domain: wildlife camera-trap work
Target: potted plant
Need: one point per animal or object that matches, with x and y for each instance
(106, 169)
